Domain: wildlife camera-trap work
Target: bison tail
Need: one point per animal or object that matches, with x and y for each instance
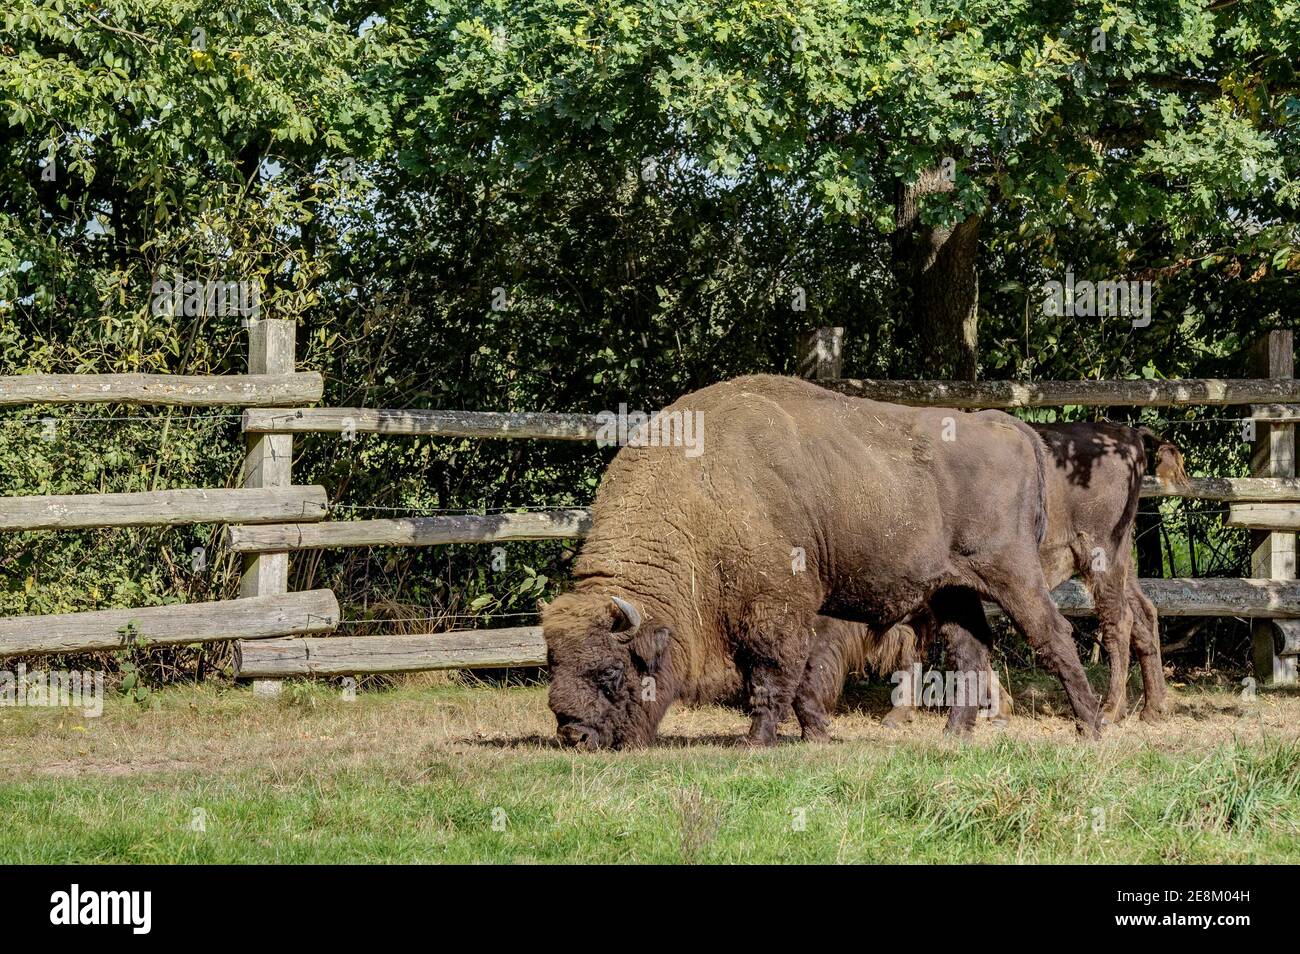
(1040, 458)
(1167, 455)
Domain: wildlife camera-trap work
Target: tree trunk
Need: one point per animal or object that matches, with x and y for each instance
(935, 269)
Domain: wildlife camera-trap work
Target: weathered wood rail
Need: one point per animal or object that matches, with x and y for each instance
(162, 508)
(1263, 489)
(1265, 516)
(270, 390)
(473, 424)
(1268, 599)
(411, 531)
(1017, 394)
(310, 611)
(573, 522)
(348, 655)
(524, 646)
(1276, 413)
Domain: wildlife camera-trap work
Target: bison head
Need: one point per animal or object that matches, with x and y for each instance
(608, 685)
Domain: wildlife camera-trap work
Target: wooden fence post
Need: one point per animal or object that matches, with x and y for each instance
(820, 353)
(267, 463)
(1273, 555)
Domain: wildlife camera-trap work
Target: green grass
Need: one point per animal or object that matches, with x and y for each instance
(405, 776)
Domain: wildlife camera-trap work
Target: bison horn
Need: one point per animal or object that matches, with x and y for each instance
(630, 615)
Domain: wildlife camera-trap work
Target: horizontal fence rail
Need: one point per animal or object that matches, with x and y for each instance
(347, 655)
(1265, 516)
(476, 424)
(524, 646)
(1276, 413)
(574, 522)
(585, 427)
(1266, 599)
(411, 531)
(163, 508)
(1225, 488)
(272, 390)
(1012, 394)
(259, 617)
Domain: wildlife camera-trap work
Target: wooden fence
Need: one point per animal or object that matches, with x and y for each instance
(266, 496)
(281, 634)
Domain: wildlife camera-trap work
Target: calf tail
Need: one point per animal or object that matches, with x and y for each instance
(1167, 455)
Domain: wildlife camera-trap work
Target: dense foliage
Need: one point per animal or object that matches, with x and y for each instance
(572, 204)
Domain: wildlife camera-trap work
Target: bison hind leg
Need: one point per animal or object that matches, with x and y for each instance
(1020, 588)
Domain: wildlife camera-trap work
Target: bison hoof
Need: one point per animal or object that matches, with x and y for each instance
(897, 717)
(815, 733)
(1153, 714)
(1088, 731)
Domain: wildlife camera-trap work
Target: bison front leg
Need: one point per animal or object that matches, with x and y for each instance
(814, 720)
(773, 658)
(818, 691)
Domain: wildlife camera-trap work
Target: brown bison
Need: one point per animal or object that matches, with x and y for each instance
(1093, 490)
(802, 501)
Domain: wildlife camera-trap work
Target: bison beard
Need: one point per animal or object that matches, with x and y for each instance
(1094, 481)
(805, 501)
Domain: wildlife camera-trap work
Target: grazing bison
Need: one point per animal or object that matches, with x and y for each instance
(1093, 488)
(802, 501)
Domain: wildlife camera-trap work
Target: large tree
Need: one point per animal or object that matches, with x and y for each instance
(1164, 131)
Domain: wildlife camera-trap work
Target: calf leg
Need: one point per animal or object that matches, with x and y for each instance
(906, 658)
(959, 616)
(1146, 644)
(773, 657)
(841, 650)
(814, 719)
(1000, 712)
(1021, 591)
(1115, 620)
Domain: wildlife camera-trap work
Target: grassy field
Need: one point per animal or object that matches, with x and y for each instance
(437, 771)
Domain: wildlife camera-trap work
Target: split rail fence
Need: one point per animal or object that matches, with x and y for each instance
(280, 634)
